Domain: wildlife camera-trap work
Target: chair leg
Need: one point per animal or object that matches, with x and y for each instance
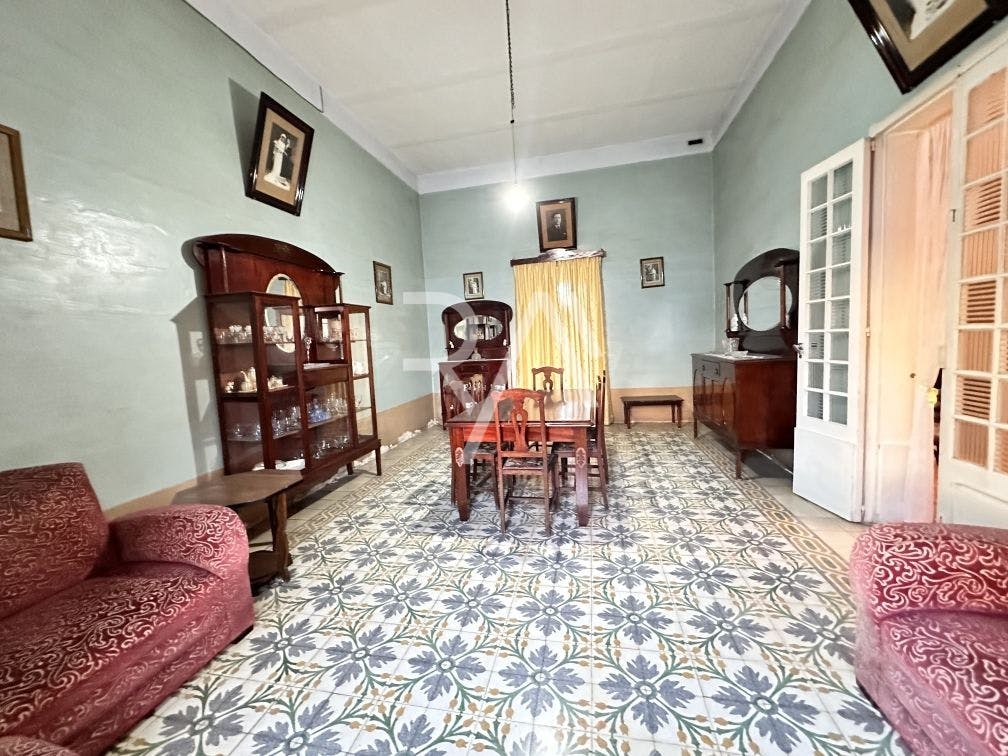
(547, 499)
(501, 500)
(603, 472)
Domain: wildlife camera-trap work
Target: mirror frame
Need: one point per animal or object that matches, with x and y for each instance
(495, 348)
(782, 264)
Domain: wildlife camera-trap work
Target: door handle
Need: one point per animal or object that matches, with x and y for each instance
(799, 349)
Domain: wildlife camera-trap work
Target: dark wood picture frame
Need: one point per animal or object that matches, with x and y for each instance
(382, 283)
(913, 52)
(472, 285)
(557, 224)
(14, 220)
(280, 153)
(652, 272)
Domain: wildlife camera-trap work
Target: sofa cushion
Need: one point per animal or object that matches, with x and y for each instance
(59, 650)
(53, 532)
(949, 670)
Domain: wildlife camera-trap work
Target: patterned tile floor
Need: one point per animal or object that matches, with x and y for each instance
(694, 615)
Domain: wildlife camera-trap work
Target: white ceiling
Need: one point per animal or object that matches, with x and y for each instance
(423, 84)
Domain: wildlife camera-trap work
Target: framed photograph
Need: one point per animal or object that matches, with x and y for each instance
(279, 157)
(557, 225)
(472, 285)
(916, 37)
(382, 283)
(652, 272)
(14, 221)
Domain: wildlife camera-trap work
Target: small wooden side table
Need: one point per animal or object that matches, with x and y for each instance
(656, 400)
(241, 490)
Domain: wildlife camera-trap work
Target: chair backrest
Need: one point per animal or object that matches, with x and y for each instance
(452, 398)
(476, 387)
(511, 420)
(547, 372)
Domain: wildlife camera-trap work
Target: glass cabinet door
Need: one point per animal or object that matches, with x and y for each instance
(328, 336)
(328, 414)
(360, 366)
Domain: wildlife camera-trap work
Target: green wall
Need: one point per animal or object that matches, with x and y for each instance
(824, 89)
(660, 208)
(136, 120)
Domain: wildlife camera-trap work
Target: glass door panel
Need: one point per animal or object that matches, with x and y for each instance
(328, 339)
(364, 411)
(328, 409)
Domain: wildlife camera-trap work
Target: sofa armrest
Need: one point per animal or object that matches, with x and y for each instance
(19, 745)
(209, 537)
(897, 567)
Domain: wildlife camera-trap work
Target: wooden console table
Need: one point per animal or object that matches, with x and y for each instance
(238, 492)
(655, 400)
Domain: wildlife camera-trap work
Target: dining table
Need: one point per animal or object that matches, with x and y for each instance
(569, 417)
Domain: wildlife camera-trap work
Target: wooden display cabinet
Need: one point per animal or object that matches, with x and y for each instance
(293, 368)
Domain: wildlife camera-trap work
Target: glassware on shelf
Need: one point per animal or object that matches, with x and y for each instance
(245, 432)
(234, 334)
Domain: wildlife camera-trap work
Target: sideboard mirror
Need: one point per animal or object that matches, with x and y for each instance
(761, 304)
(481, 327)
(478, 328)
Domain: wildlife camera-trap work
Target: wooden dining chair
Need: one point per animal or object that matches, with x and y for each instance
(518, 454)
(598, 457)
(451, 397)
(547, 372)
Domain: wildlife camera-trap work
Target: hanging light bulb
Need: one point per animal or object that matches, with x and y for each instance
(516, 197)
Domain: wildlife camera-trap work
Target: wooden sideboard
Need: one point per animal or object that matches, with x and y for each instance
(749, 402)
(477, 340)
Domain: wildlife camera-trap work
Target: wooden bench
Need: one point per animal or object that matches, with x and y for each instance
(656, 400)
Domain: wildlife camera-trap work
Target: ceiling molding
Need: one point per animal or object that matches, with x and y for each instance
(263, 48)
(782, 28)
(566, 162)
(247, 35)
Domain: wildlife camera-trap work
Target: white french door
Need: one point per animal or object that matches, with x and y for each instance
(829, 429)
(973, 465)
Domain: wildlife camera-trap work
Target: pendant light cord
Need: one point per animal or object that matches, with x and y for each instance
(514, 138)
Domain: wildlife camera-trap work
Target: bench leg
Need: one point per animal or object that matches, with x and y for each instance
(626, 414)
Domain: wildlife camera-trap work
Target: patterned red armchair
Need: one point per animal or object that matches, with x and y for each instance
(100, 621)
(932, 636)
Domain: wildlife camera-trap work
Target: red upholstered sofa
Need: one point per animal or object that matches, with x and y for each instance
(100, 621)
(932, 635)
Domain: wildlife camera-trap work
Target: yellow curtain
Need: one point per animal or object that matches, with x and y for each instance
(560, 320)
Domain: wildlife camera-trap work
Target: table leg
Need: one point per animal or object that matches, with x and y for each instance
(460, 474)
(281, 548)
(581, 475)
(626, 414)
(377, 459)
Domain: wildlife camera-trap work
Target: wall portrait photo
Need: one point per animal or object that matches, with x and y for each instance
(279, 157)
(472, 285)
(14, 221)
(382, 283)
(652, 272)
(557, 224)
(916, 37)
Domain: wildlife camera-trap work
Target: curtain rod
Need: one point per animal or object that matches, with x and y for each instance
(558, 255)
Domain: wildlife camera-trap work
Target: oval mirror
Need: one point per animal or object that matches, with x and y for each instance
(760, 305)
(478, 328)
(281, 317)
